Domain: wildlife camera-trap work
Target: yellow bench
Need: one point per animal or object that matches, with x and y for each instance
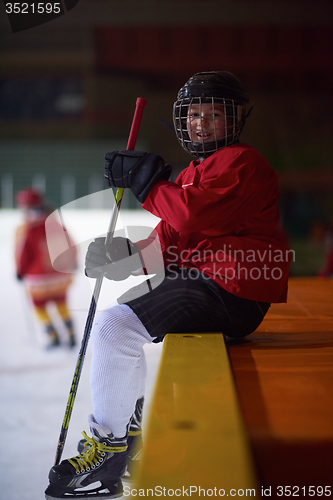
(195, 442)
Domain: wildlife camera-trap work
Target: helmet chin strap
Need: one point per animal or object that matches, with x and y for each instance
(204, 150)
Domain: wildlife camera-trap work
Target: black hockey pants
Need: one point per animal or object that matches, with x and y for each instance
(188, 302)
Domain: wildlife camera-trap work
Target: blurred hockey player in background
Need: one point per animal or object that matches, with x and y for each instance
(44, 284)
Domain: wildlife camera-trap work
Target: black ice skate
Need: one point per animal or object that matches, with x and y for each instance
(54, 338)
(134, 441)
(103, 462)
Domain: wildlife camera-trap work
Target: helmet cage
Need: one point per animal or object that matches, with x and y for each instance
(234, 119)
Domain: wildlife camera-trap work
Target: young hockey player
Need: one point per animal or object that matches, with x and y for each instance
(223, 266)
(44, 284)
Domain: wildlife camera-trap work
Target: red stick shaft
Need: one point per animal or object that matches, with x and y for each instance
(140, 106)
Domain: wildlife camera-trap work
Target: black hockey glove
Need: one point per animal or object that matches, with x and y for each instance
(116, 263)
(135, 170)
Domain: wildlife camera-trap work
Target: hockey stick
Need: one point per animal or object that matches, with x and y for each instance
(140, 104)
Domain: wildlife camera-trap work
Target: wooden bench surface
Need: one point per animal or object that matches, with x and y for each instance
(284, 377)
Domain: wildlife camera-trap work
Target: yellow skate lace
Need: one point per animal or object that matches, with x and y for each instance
(135, 433)
(93, 454)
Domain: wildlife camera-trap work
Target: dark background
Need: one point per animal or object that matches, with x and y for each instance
(68, 90)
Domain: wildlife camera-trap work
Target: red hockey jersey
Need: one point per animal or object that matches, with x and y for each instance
(33, 260)
(221, 217)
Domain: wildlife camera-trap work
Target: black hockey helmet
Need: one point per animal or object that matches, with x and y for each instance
(214, 88)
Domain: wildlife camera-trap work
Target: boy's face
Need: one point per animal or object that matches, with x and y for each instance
(206, 123)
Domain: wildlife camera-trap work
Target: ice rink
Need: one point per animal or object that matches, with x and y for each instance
(35, 383)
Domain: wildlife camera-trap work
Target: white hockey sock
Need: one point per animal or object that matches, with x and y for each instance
(117, 367)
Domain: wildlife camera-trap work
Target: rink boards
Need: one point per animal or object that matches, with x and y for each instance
(247, 418)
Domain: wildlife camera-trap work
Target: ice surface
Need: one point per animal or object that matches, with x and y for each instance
(34, 383)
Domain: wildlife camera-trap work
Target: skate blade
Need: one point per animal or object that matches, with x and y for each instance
(101, 492)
